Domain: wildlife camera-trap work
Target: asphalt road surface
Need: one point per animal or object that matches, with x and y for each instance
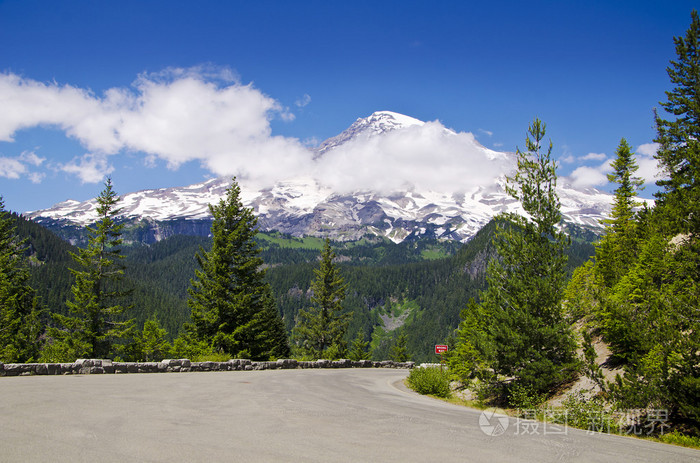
(356, 415)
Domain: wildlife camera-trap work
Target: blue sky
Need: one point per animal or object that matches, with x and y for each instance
(93, 88)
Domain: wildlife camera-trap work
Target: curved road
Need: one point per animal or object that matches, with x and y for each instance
(339, 415)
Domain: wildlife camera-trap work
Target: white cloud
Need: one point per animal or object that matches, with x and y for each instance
(486, 132)
(16, 167)
(303, 101)
(31, 158)
(36, 177)
(594, 157)
(428, 157)
(205, 115)
(648, 149)
(12, 168)
(89, 168)
(648, 166)
(311, 142)
(175, 116)
(585, 176)
(27, 103)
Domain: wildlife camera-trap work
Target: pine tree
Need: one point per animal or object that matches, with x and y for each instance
(525, 335)
(679, 138)
(618, 249)
(20, 326)
(320, 331)
(153, 343)
(399, 351)
(95, 326)
(358, 348)
(624, 166)
(469, 359)
(616, 253)
(232, 307)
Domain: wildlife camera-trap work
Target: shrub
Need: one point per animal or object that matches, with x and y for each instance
(432, 381)
(185, 346)
(523, 397)
(590, 414)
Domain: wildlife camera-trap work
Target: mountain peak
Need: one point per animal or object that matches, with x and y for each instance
(377, 123)
(389, 120)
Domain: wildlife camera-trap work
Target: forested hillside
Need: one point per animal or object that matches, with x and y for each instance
(50, 261)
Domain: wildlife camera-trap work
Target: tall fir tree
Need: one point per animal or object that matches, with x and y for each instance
(519, 330)
(96, 326)
(20, 325)
(679, 138)
(618, 248)
(232, 307)
(399, 350)
(153, 342)
(653, 321)
(358, 348)
(320, 330)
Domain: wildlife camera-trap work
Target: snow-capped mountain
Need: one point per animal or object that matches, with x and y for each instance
(378, 123)
(304, 206)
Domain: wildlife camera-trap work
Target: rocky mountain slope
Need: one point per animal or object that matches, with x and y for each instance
(304, 206)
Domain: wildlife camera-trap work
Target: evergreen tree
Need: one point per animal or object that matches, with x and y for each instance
(525, 335)
(232, 307)
(186, 346)
(399, 351)
(616, 254)
(20, 325)
(358, 348)
(95, 326)
(473, 348)
(618, 249)
(679, 138)
(320, 330)
(151, 344)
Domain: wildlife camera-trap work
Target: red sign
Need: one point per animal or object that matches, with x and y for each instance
(440, 348)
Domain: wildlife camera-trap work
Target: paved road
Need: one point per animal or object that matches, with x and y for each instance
(265, 416)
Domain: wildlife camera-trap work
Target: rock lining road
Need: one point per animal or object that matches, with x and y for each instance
(343, 415)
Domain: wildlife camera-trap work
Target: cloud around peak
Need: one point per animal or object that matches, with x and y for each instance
(206, 115)
(424, 157)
